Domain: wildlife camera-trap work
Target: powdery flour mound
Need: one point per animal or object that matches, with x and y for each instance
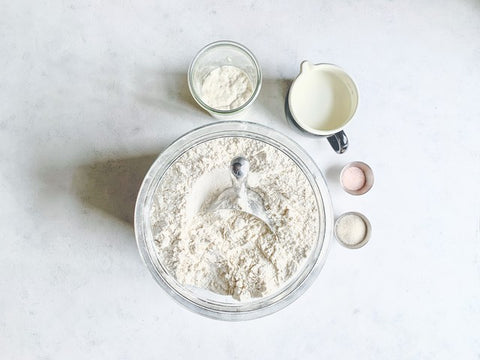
(230, 252)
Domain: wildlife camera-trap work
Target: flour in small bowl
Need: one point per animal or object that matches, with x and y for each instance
(230, 252)
(226, 88)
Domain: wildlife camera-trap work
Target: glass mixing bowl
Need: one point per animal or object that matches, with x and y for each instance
(205, 302)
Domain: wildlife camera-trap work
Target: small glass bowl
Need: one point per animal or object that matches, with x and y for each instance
(218, 54)
(208, 303)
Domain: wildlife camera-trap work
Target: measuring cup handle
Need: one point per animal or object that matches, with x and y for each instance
(339, 142)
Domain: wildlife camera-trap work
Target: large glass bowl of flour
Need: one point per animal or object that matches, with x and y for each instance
(227, 264)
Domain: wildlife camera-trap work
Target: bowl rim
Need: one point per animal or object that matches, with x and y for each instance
(297, 285)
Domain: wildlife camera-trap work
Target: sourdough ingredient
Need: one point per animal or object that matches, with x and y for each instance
(226, 88)
(353, 178)
(230, 252)
(351, 229)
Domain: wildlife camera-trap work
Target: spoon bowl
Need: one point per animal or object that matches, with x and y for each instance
(240, 196)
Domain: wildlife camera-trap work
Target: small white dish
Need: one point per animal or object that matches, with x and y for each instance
(352, 230)
(356, 178)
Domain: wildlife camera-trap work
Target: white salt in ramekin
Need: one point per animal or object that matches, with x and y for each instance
(362, 242)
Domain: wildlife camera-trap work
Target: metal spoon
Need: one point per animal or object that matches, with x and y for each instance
(240, 196)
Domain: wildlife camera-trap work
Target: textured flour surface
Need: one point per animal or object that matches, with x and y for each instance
(226, 88)
(230, 252)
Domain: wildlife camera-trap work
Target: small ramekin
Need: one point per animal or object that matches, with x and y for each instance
(367, 172)
(368, 231)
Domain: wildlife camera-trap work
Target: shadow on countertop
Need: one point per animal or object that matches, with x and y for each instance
(166, 90)
(332, 174)
(112, 185)
(272, 97)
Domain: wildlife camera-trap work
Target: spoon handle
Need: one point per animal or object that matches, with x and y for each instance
(239, 167)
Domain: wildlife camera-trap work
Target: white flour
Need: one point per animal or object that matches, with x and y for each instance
(229, 252)
(226, 88)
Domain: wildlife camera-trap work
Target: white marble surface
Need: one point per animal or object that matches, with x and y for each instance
(92, 91)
